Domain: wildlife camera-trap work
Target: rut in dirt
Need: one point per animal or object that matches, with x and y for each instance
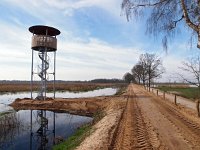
(131, 132)
(189, 129)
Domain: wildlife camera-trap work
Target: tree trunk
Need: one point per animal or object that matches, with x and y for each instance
(198, 44)
(186, 16)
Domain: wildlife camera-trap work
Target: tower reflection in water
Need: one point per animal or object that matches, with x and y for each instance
(42, 137)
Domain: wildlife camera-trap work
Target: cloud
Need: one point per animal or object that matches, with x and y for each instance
(78, 58)
(95, 41)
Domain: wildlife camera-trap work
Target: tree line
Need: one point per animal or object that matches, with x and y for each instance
(148, 68)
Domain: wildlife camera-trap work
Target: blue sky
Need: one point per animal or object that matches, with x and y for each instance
(96, 41)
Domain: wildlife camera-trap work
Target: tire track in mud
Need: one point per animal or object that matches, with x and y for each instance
(132, 132)
(189, 129)
(141, 130)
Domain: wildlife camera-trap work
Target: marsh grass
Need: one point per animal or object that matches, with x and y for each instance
(71, 87)
(9, 124)
(121, 90)
(5, 113)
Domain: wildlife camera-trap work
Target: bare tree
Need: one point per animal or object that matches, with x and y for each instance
(137, 71)
(192, 66)
(142, 63)
(128, 77)
(165, 16)
(152, 66)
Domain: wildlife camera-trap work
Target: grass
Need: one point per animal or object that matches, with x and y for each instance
(187, 92)
(121, 90)
(73, 87)
(75, 140)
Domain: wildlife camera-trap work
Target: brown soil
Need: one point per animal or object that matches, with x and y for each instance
(80, 106)
(136, 120)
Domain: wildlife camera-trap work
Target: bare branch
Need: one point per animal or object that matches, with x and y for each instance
(192, 66)
(165, 16)
(148, 4)
(187, 19)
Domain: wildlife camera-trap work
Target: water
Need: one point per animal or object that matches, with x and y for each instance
(21, 135)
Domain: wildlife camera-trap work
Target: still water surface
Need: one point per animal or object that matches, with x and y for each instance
(8, 98)
(20, 134)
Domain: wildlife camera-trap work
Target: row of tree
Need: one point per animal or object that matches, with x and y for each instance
(163, 18)
(148, 68)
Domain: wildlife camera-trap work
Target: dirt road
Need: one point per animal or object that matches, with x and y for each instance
(152, 123)
(146, 122)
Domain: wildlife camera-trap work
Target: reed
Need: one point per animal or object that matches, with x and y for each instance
(75, 87)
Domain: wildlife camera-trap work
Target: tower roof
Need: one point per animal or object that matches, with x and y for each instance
(41, 30)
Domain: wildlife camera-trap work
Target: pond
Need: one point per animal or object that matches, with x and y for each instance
(38, 129)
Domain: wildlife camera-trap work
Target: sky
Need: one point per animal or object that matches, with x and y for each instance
(96, 40)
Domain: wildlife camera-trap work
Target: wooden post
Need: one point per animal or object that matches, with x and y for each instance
(197, 106)
(157, 92)
(175, 102)
(164, 94)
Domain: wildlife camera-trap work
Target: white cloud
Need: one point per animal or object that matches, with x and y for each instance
(80, 59)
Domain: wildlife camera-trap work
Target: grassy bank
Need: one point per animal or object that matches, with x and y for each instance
(75, 140)
(121, 89)
(187, 92)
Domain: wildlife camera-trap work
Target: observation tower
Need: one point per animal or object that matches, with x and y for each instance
(44, 43)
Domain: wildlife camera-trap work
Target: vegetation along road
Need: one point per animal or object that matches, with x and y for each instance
(144, 121)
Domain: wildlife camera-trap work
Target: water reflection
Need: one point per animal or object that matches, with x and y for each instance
(37, 130)
(42, 131)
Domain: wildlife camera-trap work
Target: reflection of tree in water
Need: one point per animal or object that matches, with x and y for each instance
(9, 125)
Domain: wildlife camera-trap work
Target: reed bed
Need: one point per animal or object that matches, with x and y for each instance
(75, 87)
(8, 126)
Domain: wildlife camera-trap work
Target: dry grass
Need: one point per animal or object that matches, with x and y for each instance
(76, 87)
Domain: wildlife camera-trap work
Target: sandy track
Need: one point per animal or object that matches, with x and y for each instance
(174, 129)
(147, 122)
(132, 133)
